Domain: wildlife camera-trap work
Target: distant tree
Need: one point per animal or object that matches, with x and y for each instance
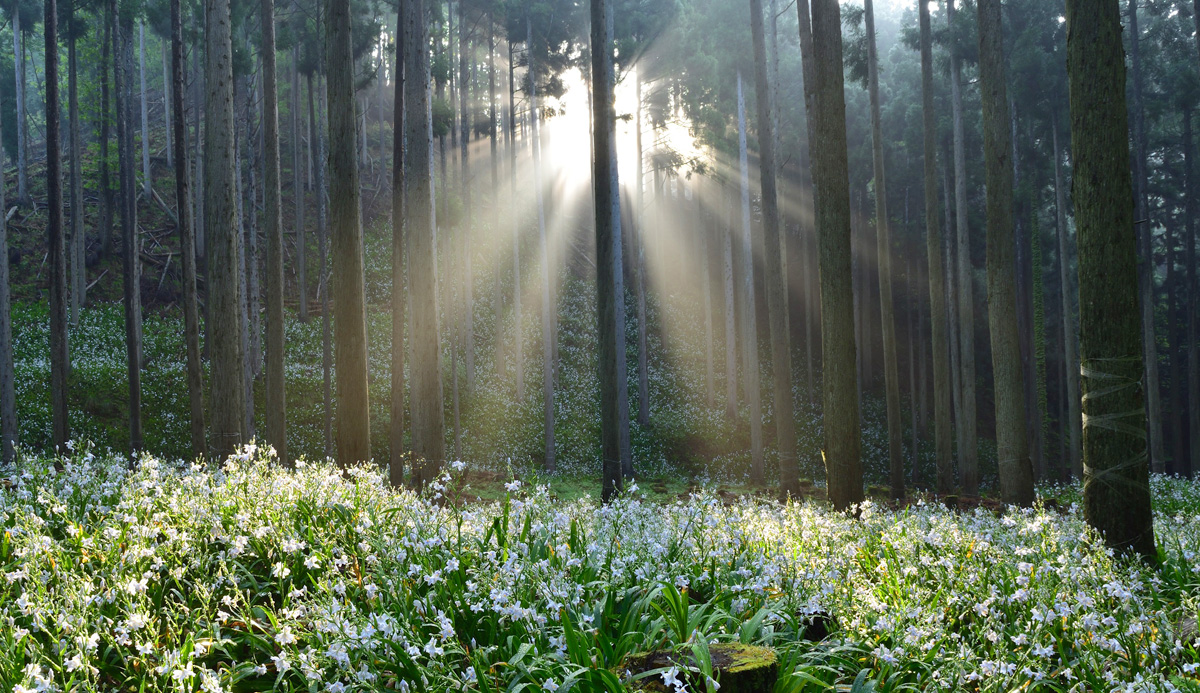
(1070, 333)
(78, 274)
(891, 369)
(399, 294)
(749, 320)
(1116, 485)
(1012, 436)
(548, 317)
(18, 30)
(937, 288)
(223, 240)
(784, 409)
(350, 320)
(8, 391)
(843, 465)
(428, 433)
(273, 227)
(60, 364)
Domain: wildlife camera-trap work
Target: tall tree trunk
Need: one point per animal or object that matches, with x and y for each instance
(1074, 422)
(298, 187)
(350, 322)
(273, 228)
(318, 120)
(841, 426)
(187, 244)
(777, 294)
(730, 312)
(937, 296)
(167, 108)
(704, 230)
(78, 239)
(511, 136)
(914, 388)
(1116, 485)
(468, 286)
(396, 446)
(548, 318)
(131, 240)
(104, 228)
(22, 124)
(951, 278)
(501, 363)
(891, 369)
(1012, 435)
(428, 438)
(227, 386)
(610, 293)
(639, 285)
(146, 178)
(968, 452)
(749, 324)
(9, 430)
(60, 365)
(1193, 305)
(1145, 234)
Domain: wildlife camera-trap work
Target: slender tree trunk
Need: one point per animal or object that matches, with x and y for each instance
(146, 178)
(518, 334)
(9, 429)
(548, 319)
(1074, 422)
(730, 314)
(1178, 415)
(350, 322)
(968, 453)
(1145, 235)
(187, 244)
(1116, 487)
(273, 228)
(396, 446)
(22, 124)
(228, 405)
(843, 465)
(891, 370)
(914, 388)
(298, 191)
(104, 227)
(937, 296)
(78, 239)
(610, 294)
(131, 240)
(465, 119)
(777, 295)
(951, 278)
(639, 286)
(427, 428)
(749, 324)
(60, 365)
(167, 108)
(501, 363)
(704, 230)
(320, 175)
(1012, 435)
(1193, 351)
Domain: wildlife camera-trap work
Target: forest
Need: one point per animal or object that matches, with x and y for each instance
(769, 346)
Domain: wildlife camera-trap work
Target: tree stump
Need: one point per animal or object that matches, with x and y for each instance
(739, 668)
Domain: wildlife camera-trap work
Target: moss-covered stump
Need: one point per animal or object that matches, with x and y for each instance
(739, 668)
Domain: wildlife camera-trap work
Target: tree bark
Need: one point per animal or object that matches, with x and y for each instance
(187, 244)
(777, 294)
(131, 241)
(1070, 333)
(730, 313)
(396, 446)
(937, 296)
(1012, 435)
(78, 239)
(891, 369)
(8, 393)
(1145, 234)
(1116, 485)
(298, 189)
(22, 124)
(968, 452)
(146, 178)
(228, 405)
(841, 427)
(273, 228)
(350, 320)
(749, 317)
(167, 107)
(60, 365)
(105, 224)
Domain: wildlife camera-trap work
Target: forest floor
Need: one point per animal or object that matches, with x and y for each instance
(249, 576)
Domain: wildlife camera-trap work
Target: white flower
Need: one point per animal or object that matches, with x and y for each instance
(513, 486)
(285, 636)
(549, 685)
(280, 571)
(312, 563)
(75, 663)
(281, 663)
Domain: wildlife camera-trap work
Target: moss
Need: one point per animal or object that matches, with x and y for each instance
(739, 668)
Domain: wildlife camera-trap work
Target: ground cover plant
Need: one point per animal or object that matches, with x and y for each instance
(159, 576)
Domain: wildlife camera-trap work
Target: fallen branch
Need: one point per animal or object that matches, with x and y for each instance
(97, 280)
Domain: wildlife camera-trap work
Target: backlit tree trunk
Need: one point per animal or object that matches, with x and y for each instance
(1070, 333)
(131, 238)
(273, 228)
(60, 365)
(749, 313)
(396, 447)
